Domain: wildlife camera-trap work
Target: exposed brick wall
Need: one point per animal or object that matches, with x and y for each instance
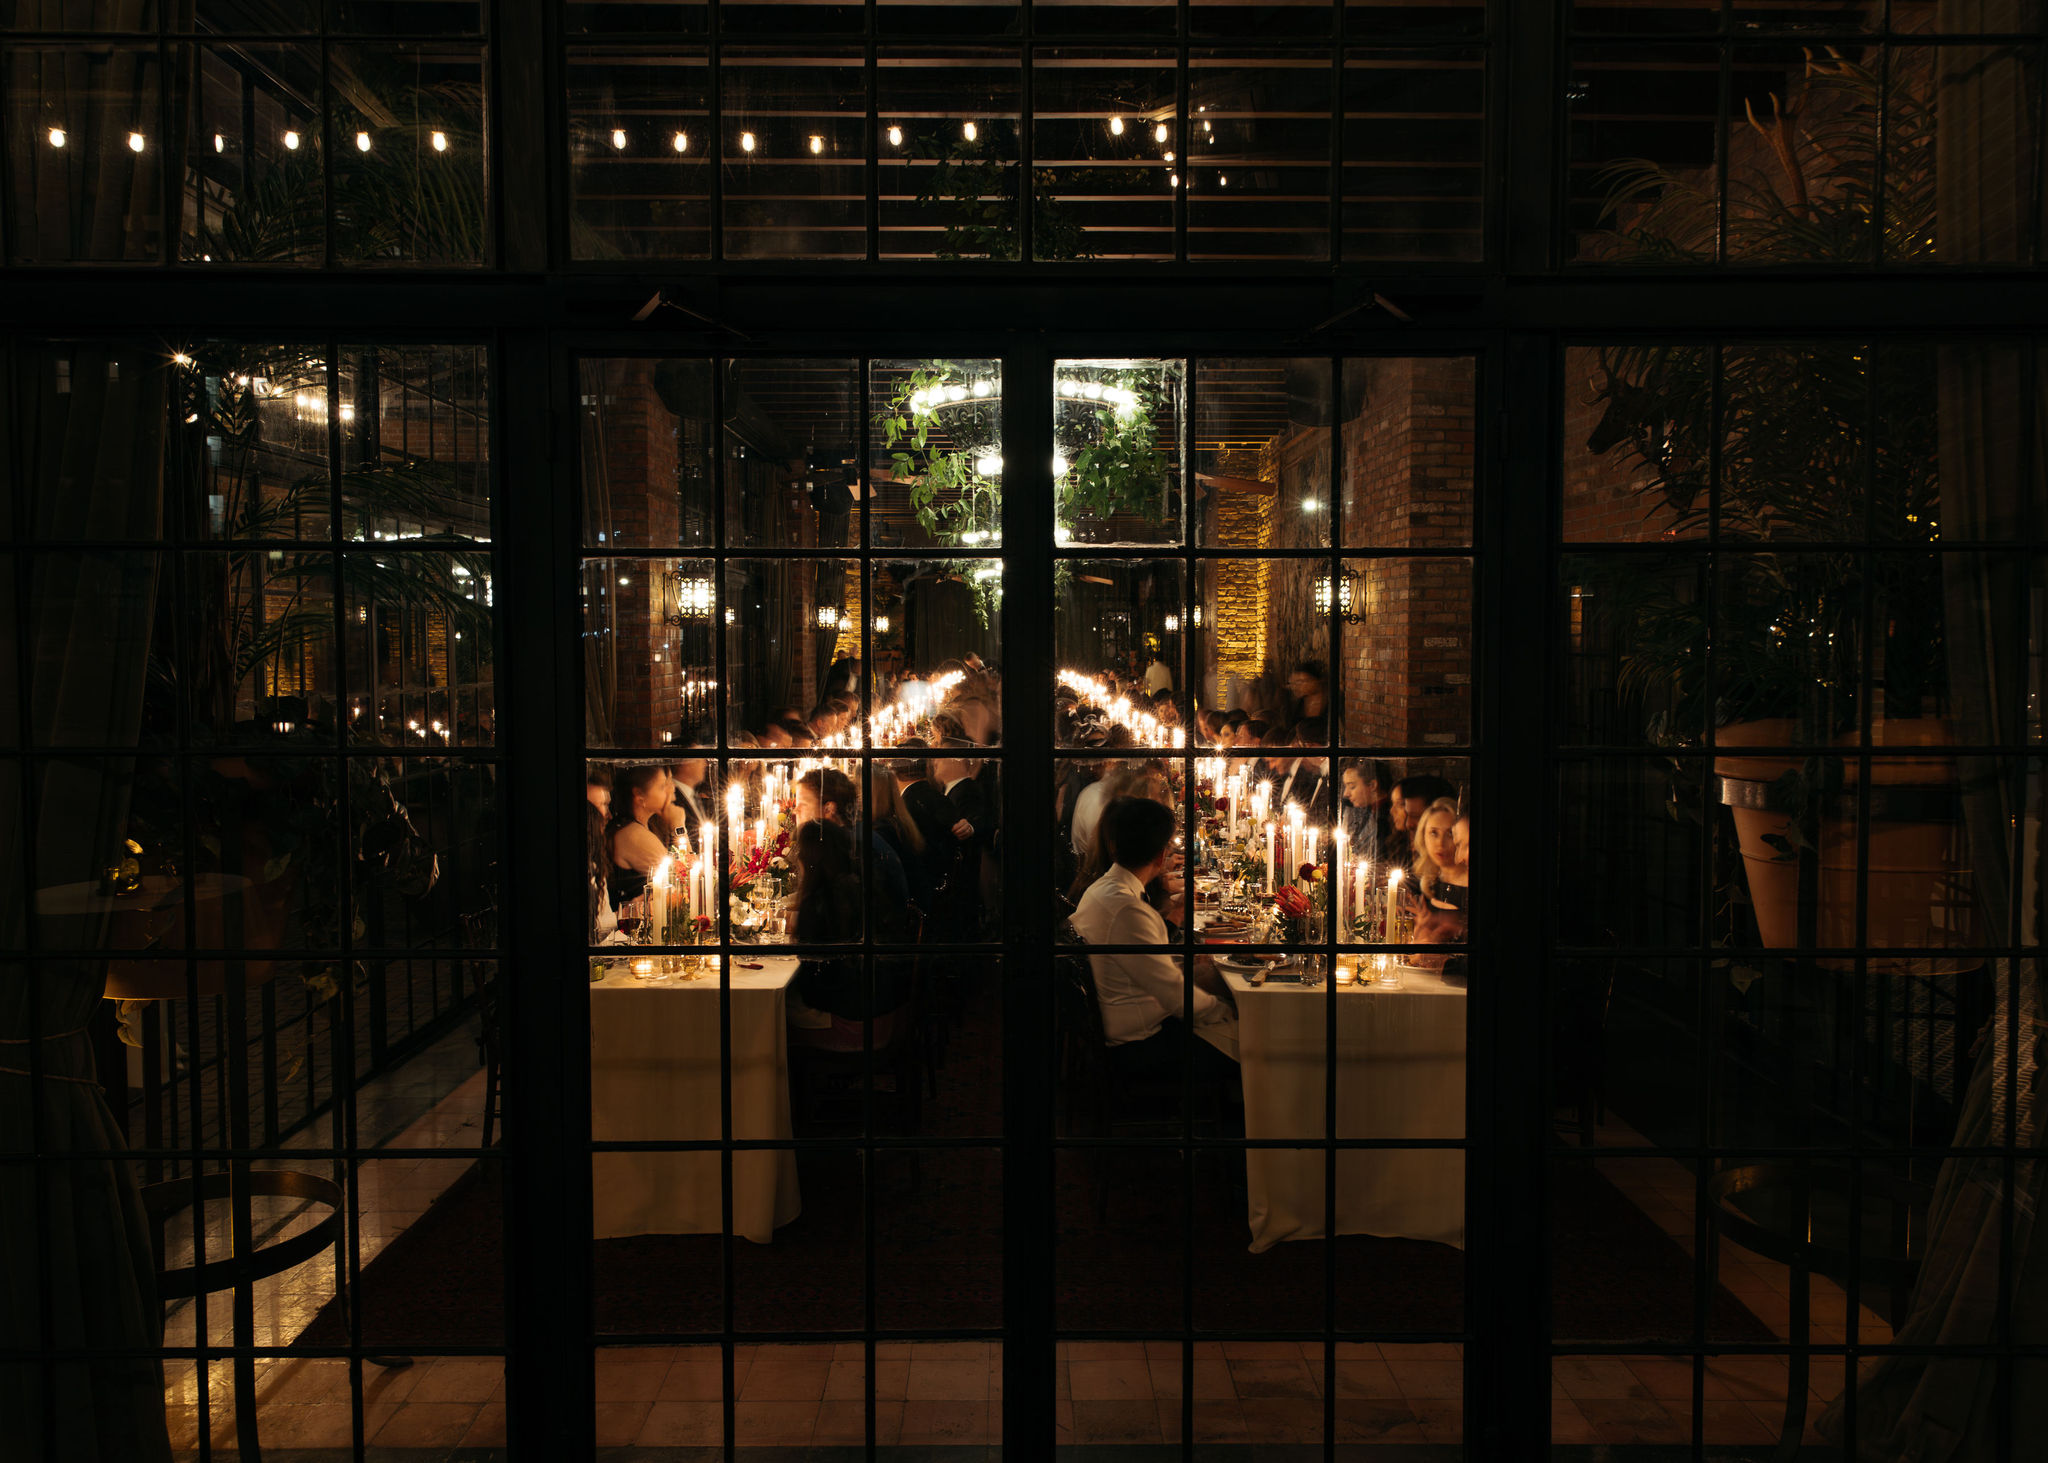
(1604, 497)
(1408, 459)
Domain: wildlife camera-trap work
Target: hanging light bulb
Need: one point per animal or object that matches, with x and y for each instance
(440, 142)
(989, 464)
(969, 131)
(682, 142)
(136, 142)
(1223, 180)
(746, 142)
(56, 137)
(895, 137)
(291, 142)
(619, 138)
(1116, 126)
(817, 144)
(1159, 133)
(220, 143)
(1206, 127)
(1173, 180)
(362, 142)
(1169, 155)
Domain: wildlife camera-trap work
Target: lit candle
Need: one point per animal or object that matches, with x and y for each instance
(1393, 899)
(1271, 843)
(760, 833)
(1337, 885)
(735, 809)
(1294, 844)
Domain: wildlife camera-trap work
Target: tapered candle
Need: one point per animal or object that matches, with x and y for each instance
(1393, 899)
(1338, 888)
(760, 833)
(1272, 840)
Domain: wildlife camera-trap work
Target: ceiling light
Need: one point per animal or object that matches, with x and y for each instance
(746, 142)
(291, 142)
(619, 138)
(1159, 133)
(440, 142)
(135, 142)
(817, 144)
(1116, 126)
(989, 464)
(1059, 465)
(968, 131)
(682, 142)
(895, 137)
(56, 137)
(1169, 156)
(220, 143)
(1206, 127)
(1173, 180)
(362, 142)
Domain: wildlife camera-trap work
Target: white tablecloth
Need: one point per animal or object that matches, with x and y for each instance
(654, 1075)
(1400, 1074)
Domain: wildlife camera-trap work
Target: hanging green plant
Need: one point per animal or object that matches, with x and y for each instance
(1120, 472)
(954, 491)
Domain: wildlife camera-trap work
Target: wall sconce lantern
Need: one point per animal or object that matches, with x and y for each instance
(689, 599)
(1349, 600)
(828, 617)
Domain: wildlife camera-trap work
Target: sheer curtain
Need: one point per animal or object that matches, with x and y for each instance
(79, 1274)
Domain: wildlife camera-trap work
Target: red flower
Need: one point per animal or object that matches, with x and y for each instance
(1223, 805)
(1291, 902)
(1306, 871)
(704, 922)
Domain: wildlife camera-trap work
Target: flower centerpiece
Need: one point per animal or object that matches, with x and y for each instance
(1291, 911)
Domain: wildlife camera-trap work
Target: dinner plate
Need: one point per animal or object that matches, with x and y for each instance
(1247, 964)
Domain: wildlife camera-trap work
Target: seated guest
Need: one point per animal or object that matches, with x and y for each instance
(597, 790)
(971, 832)
(828, 912)
(1093, 799)
(1144, 1000)
(774, 735)
(634, 850)
(890, 816)
(1119, 780)
(1441, 892)
(826, 794)
(1363, 814)
(1418, 791)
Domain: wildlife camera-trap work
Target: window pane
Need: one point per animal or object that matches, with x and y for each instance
(936, 432)
(649, 668)
(1257, 160)
(408, 125)
(639, 150)
(1410, 443)
(85, 153)
(1414, 144)
(646, 454)
(1116, 456)
(948, 149)
(1262, 453)
(415, 444)
(794, 155)
(254, 185)
(792, 441)
(1101, 126)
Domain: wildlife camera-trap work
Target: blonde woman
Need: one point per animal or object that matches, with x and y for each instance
(1442, 894)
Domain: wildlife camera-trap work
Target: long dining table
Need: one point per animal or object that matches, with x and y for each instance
(654, 1075)
(1400, 1074)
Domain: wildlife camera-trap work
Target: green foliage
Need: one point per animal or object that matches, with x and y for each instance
(1811, 443)
(949, 495)
(1120, 471)
(972, 188)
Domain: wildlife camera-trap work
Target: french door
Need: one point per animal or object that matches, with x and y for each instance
(886, 1166)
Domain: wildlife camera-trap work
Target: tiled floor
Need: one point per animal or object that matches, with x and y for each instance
(951, 1392)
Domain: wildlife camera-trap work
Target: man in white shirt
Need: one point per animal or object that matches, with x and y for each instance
(1158, 677)
(1143, 997)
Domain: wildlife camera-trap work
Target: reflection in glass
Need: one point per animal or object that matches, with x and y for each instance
(1409, 451)
(794, 155)
(1257, 164)
(255, 187)
(408, 165)
(639, 152)
(415, 453)
(1262, 453)
(1414, 148)
(646, 454)
(83, 130)
(1101, 129)
(948, 151)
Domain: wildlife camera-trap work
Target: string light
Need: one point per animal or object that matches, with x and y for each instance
(56, 137)
(1159, 133)
(1116, 126)
(291, 142)
(220, 143)
(817, 144)
(746, 142)
(440, 142)
(682, 142)
(135, 142)
(968, 131)
(619, 138)
(1169, 155)
(895, 137)
(362, 142)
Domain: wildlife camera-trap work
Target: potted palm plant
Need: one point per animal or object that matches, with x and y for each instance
(1785, 451)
